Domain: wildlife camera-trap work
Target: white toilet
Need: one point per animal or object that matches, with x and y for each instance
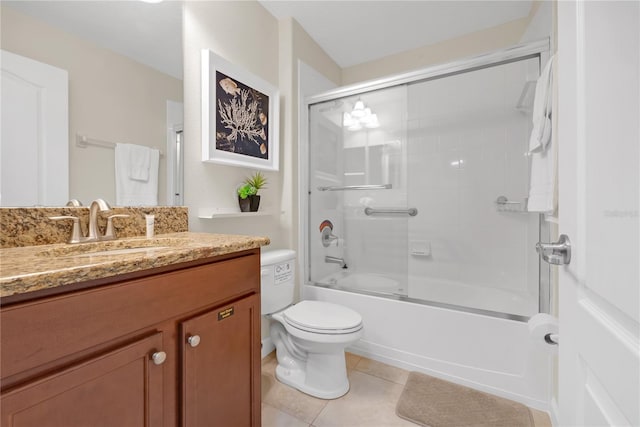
(310, 336)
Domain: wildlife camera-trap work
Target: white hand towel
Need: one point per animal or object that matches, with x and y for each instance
(139, 162)
(541, 133)
(131, 192)
(542, 182)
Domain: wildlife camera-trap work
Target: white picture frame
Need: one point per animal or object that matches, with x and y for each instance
(240, 116)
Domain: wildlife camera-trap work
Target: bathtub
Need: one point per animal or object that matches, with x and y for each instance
(487, 353)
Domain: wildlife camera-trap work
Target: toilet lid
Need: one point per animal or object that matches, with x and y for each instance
(322, 317)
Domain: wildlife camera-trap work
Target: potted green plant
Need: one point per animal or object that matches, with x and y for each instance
(248, 197)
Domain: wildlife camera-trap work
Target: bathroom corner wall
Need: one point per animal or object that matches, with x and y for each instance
(297, 50)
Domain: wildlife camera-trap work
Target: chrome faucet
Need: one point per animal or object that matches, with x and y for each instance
(335, 260)
(96, 205)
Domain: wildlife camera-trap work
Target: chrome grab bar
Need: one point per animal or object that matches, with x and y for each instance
(410, 211)
(356, 187)
(502, 200)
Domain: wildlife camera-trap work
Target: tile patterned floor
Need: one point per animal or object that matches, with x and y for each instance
(371, 401)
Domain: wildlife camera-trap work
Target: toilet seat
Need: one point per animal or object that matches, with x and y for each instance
(321, 317)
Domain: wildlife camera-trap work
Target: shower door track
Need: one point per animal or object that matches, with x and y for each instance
(513, 54)
(430, 303)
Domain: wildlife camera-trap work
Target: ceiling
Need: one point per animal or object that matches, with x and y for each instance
(351, 32)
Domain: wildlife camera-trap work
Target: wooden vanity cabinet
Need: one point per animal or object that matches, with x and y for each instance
(125, 353)
(122, 387)
(219, 361)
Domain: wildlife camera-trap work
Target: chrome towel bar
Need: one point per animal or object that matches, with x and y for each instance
(356, 187)
(410, 211)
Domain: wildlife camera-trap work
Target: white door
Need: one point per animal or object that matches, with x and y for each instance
(599, 139)
(34, 144)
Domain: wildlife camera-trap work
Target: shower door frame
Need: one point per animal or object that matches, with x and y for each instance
(537, 49)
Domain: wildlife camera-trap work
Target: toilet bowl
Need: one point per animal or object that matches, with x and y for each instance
(310, 336)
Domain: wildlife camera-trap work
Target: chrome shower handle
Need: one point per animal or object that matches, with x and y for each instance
(558, 253)
(328, 237)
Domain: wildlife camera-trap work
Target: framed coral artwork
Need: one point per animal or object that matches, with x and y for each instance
(239, 116)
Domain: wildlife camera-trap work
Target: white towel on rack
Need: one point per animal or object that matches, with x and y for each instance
(139, 161)
(133, 192)
(543, 166)
(542, 103)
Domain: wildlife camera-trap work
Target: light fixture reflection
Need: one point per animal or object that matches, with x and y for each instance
(372, 122)
(361, 116)
(358, 109)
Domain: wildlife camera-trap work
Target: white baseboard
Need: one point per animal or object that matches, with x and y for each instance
(267, 347)
(413, 362)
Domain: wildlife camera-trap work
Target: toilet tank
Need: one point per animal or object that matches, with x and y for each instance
(277, 279)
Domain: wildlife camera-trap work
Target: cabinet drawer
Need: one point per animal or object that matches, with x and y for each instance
(41, 334)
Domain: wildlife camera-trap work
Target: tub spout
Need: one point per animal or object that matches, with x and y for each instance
(335, 260)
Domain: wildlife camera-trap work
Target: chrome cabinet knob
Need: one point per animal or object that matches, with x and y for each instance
(193, 340)
(159, 357)
(558, 253)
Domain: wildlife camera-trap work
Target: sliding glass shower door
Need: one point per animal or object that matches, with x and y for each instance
(469, 174)
(358, 188)
(419, 191)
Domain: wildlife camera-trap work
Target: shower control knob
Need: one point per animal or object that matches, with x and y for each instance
(193, 340)
(159, 357)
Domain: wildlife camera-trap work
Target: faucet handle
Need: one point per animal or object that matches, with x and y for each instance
(75, 232)
(328, 237)
(111, 233)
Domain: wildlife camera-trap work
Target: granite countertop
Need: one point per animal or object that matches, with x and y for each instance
(34, 268)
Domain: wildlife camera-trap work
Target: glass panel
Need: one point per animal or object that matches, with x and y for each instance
(359, 142)
(469, 179)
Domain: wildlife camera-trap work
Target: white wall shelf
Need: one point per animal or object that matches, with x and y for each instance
(217, 213)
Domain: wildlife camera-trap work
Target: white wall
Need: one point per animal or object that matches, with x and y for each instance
(111, 98)
(483, 41)
(269, 49)
(296, 47)
(245, 34)
(491, 39)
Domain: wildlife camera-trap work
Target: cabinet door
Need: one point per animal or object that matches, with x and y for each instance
(122, 387)
(221, 366)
